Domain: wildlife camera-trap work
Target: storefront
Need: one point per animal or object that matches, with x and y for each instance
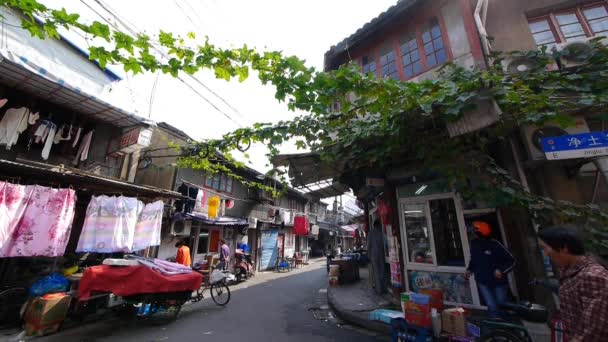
(435, 240)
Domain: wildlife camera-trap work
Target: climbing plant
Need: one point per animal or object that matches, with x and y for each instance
(360, 119)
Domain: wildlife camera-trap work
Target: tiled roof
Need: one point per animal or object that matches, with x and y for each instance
(368, 29)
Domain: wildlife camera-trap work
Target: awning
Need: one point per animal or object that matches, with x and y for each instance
(307, 168)
(79, 179)
(332, 190)
(351, 229)
(326, 225)
(57, 72)
(224, 221)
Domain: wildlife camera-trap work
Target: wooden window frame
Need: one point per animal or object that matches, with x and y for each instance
(229, 180)
(578, 11)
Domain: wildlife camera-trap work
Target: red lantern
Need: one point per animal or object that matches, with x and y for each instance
(229, 204)
(384, 211)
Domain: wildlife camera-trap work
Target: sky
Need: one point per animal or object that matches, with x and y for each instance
(306, 29)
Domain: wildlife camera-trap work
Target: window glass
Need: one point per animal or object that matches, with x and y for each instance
(410, 57)
(388, 63)
(417, 233)
(229, 185)
(542, 33)
(208, 181)
(203, 242)
(598, 20)
(216, 182)
(369, 65)
(446, 233)
(434, 49)
(223, 183)
(455, 287)
(570, 26)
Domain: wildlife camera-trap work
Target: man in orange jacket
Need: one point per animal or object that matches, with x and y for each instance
(183, 254)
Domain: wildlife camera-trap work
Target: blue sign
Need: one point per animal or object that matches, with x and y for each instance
(269, 248)
(584, 145)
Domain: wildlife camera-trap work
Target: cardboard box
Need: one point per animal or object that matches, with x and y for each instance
(454, 322)
(44, 315)
(418, 315)
(436, 298)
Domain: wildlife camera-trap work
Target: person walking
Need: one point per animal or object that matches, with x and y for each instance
(183, 254)
(490, 263)
(224, 255)
(583, 291)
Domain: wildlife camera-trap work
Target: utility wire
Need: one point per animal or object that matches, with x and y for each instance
(160, 51)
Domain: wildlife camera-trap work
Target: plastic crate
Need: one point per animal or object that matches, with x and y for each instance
(403, 332)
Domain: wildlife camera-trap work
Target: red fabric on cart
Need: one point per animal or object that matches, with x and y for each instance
(131, 280)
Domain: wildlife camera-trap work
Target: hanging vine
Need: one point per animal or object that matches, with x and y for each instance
(378, 119)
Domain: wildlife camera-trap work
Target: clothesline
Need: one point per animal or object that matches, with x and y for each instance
(238, 199)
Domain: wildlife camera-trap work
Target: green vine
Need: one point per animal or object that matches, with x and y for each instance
(363, 120)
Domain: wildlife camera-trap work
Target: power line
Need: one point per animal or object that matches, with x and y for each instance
(157, 49)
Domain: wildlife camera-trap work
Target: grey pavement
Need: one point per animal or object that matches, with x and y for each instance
(270, 307)
(353, 303)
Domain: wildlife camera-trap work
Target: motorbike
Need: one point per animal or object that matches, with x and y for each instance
(243, 266)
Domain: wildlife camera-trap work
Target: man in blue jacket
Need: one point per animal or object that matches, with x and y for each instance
(490, 263)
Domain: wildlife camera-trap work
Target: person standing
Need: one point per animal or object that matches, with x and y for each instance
(490, 263)
(224, 255)
(583, 291)
(183, 254)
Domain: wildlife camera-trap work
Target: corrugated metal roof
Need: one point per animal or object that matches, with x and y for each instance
(367, 30)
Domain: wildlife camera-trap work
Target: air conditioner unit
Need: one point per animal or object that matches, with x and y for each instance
(181, 228)
(533, 135)
(253, 222)
(576, 52)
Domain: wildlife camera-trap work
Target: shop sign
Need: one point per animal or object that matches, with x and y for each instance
(374, 182)
(133, 140)
(584, 145)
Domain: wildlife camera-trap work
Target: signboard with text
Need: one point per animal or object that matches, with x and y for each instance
(584, 145)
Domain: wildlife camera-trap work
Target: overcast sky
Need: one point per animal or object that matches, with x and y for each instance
(303, 28)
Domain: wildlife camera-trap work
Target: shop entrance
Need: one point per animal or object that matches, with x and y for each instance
(436, 247)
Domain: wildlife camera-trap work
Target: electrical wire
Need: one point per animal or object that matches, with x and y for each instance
(110, 11)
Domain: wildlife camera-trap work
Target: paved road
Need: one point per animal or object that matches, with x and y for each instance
(270, 307)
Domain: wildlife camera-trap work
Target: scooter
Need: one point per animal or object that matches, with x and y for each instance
(243, 267)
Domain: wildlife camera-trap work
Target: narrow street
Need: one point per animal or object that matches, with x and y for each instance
(271, 307)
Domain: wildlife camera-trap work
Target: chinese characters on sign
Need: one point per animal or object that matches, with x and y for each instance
(584, 145)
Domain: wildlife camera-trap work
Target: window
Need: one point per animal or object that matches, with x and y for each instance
(597, 18)
(543, 34)
(388, 63)
(203, 242)
(412, 65)
(219, 182)
(434, 49)
(369, 65)
(570, 25)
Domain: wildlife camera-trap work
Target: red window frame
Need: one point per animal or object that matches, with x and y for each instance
(223, 176)
(551, 18)
(395, 42)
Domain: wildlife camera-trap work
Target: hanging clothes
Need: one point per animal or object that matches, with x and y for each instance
(201, 202)
(109, 224)
(13, 201)
(300, 225)
(44, 228)
(83, 150)
(48, 144)
(13, 123)
(147, 229)
(77, 138)
(375, 250)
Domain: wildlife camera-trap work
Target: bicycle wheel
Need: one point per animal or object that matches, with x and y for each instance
(502, 336)
(220, 293)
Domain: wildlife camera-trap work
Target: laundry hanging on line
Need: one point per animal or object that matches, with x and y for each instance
(35, 220)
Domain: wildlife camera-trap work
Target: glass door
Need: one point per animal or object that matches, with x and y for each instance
(436, 247)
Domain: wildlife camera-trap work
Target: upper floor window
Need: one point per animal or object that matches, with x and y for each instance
(388, 63)
(575, 23)
(434, 49)
(412, 65)
(219, 182)
(369, 65)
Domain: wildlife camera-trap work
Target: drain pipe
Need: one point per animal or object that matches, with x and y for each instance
(482, 6)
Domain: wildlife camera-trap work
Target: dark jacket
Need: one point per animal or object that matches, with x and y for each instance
(487, 256)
